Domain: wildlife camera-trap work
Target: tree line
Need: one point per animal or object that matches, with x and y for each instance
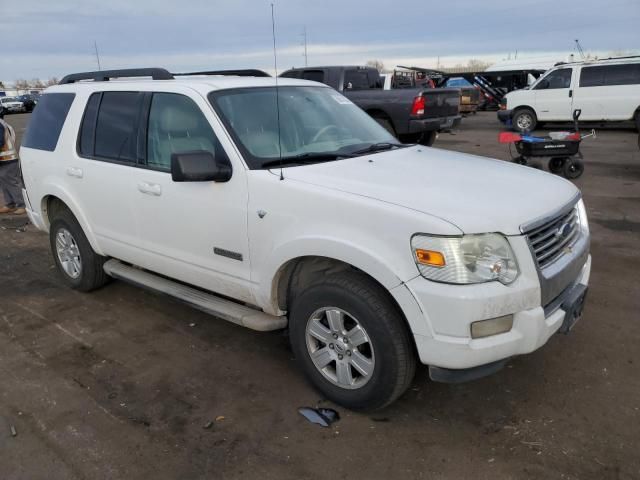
(23, 84)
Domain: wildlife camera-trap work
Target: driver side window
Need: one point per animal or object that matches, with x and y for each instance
(558, 79)
(177, 125)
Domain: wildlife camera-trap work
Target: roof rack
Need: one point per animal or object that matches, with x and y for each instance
(248, 72)
(106, 75)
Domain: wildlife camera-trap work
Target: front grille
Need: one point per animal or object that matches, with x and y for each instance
(549, 242)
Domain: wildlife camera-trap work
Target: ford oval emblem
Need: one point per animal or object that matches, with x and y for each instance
(564, 231)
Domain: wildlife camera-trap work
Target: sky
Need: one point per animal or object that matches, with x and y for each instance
(45, 38)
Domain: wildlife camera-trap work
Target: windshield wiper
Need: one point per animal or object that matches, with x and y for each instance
(304, 158)
(378, 147)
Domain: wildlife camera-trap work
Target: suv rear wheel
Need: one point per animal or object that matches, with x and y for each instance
(524, 120)
(351, 341)
(80, 267)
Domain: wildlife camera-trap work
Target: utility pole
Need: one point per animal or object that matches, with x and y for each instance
(95, 46)
(304, 37)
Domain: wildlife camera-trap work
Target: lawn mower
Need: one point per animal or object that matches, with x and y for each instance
(562, 148)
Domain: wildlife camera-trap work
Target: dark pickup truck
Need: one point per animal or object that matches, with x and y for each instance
(411, 115)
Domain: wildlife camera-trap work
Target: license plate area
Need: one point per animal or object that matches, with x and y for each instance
(573, 306)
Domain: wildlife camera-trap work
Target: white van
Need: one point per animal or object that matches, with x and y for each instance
(605, 90)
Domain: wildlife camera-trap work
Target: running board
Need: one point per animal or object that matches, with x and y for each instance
(206, 302)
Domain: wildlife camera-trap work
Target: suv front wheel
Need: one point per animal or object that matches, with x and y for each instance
(80, 267)
(352, 342)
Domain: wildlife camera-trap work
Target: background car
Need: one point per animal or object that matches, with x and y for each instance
(29, 101)
(11, 105)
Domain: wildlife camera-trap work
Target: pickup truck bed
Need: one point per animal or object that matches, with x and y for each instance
(412, 115)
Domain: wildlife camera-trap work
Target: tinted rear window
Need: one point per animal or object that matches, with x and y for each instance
(87, 130)
(609, 75)
(47, 121)
(116, 134)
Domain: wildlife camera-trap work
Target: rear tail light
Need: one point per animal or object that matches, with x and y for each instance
(418, 106)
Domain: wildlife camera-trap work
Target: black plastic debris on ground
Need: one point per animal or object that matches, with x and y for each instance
(321, 416)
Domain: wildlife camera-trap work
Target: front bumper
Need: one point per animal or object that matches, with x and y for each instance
(504, 115)
(449, 345)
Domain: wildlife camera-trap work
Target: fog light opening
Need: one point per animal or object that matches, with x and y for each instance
(493, 326)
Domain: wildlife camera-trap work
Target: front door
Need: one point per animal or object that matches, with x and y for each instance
(553, 96)
(193, 231)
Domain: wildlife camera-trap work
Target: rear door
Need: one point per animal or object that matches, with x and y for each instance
(554, 95)
(107, 152)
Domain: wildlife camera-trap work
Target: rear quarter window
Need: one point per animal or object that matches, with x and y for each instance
(47, 121)
(610, 75)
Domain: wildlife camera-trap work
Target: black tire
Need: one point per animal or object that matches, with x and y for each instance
(573, 168)
(388, 336)
(386, 124)
(638, 121)
(524, 120)
(556, 165)
(428, 138)
(91, 275)
(520, 160)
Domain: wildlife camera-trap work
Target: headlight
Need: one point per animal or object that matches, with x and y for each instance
(582, 218)
(466, 259)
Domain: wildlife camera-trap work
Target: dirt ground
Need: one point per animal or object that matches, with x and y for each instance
(120, 383)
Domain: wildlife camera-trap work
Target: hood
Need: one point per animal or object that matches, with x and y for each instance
(477, 194)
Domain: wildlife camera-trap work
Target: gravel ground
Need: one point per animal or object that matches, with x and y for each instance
(120, 383)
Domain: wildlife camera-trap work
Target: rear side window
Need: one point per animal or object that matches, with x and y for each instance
(88, 128)
(110, 126)
(609, 75)
(356, 80)
(47, 121)
(592, 76)
(117, 126)
(313, 75)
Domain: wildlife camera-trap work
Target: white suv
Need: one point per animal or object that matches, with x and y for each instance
(604, 90)
(288, 206)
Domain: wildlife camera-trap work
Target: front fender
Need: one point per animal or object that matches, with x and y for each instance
(328, 247)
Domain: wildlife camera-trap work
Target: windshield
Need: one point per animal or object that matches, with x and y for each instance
(8, 99)
(315, 122)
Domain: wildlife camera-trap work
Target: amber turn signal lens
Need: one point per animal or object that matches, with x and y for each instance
(430, 257)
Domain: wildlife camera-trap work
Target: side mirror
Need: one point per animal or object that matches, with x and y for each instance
(199, 166)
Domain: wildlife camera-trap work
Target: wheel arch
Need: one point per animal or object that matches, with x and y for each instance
(54, 201)
(300, 272)
(524, 107)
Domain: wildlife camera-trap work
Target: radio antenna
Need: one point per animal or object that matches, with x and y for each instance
(275, 68)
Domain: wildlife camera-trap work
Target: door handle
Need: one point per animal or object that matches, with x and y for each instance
(570, 93)
(150, 189)
(74, 172)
